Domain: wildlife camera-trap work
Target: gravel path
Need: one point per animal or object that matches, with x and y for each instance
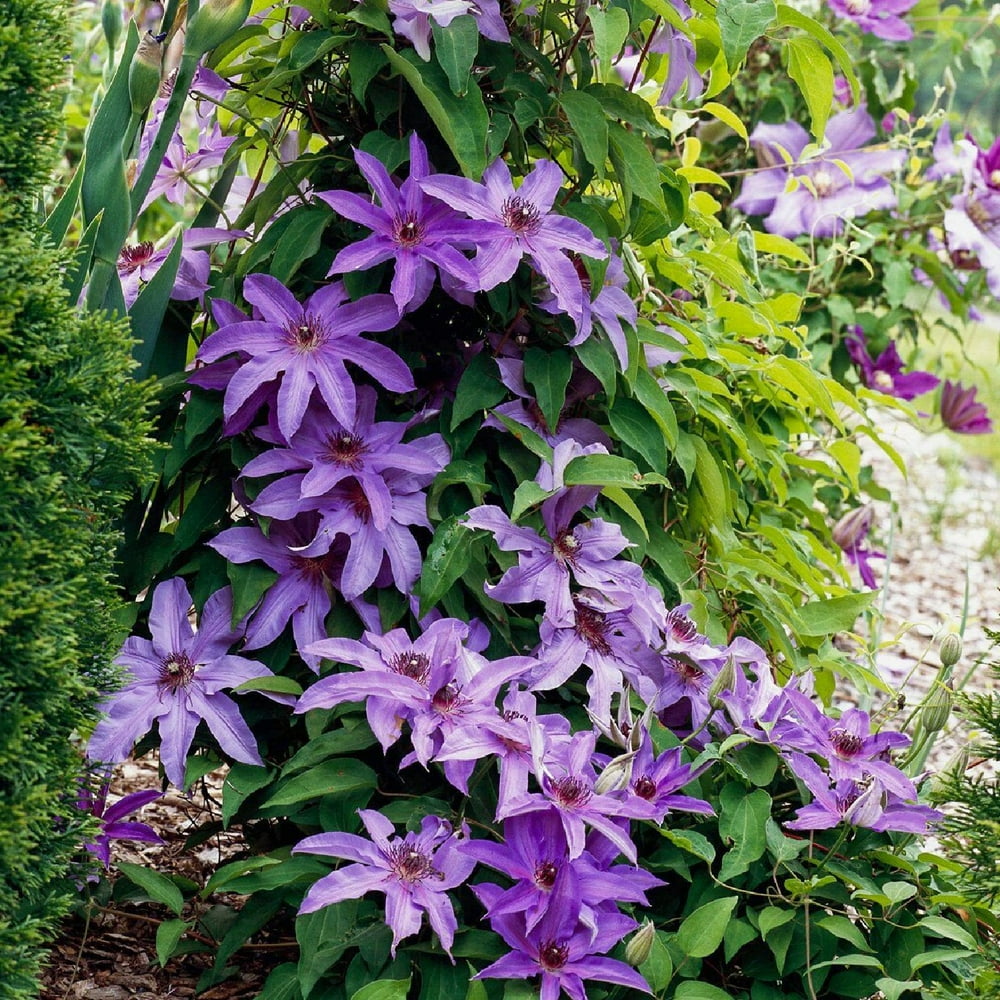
(941, 529)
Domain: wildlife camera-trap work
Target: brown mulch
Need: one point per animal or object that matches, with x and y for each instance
(114, 956)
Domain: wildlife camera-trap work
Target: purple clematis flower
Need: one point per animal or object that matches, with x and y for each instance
(137, 263)
(524, 224)
(177, 678)
(826, 193)
(960, 412)
(419, 232)
(657, 780)
(304, 590)
(329, 453)
(178, 164)
(114, 826)
(850, 533)
(412, 20)
(885, 372)
(864, 803)
(564, 952)
(306, 345)
(877, 17)
(414, 871)
(545, 568)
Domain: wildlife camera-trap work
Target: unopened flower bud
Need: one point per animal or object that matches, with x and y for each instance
(950, 650)
(111, 22)
(616, 775)
(144, 73)
(853, 528)
(214, 22)
(725, 680)
(640, 944)
(937, 708)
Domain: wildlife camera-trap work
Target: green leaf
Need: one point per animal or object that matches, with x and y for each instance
(634, 165)
(788, 15)
(448, 557)
(274, 683)
(241, 782)
(658, 969)
(632, 423)
(326, 745)
(810, 68)
(691, 989)
(742, 820)
(250, 581)
(156, 885)
(322, 938)
(58, 222)
(548, 372)
(938, 956)
(650, 393)
(742, 22)
(455, 48)
(589, 124)
(621, 499)
(845, 929)
(943, 927)
(702, 931)
(385, 989)
(598, 358)
(168, 936)
(836, 614)
(895, 988)
(535, 443)
(478, 389)
(610, 28)
(527, 495)
(282, 984)
(157, 351)
(333, 777)
(300, 240)
(602, 470)
(462, 121)
(692, 842)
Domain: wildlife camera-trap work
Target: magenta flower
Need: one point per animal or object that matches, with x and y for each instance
(960, 412)
(178, 164)
(850, 533)
(524, 225)
(877, 17)
(414, 871)
(177, 677)
(826, 193)
(305, 345)
(885, 373)
(418, 232)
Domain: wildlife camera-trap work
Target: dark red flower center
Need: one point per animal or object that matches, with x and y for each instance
(416, 666)
(407, 230)
(545, 874)
(411, 864)
(689, 673)
(844, 743)
(553, 955)
(592, 626)
(345, 449)
(571, 792)
(314, 569)
(308, 335)
(644, 787)
(448, 699)
(565, 547)
(134, 256)
(521, 216)
(176, 672)
(355, 496)
(680, 626)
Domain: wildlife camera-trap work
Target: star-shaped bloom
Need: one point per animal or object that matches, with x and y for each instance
(562, 950)
(413, 229)
(414, 871)
(305, 345)
(114, 826)
(524, 225)
(885, 372)
(176, 679)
